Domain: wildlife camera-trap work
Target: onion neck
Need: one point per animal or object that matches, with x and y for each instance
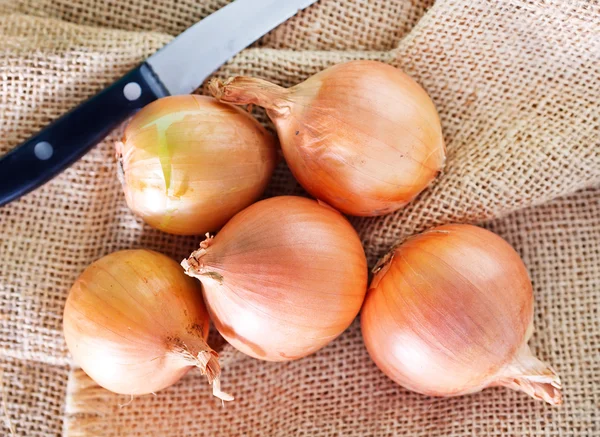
(194, 265)
(196, 352)
(242, 90)
(528, 374)
(120, 169)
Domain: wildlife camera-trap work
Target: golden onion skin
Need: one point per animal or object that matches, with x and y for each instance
(361, 136)
(190, 163)
(136, 324)
(283, 278)
(450, 312)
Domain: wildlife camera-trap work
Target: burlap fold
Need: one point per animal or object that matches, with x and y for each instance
(517, 87)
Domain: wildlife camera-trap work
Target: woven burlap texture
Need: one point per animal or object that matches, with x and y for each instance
(516, 85)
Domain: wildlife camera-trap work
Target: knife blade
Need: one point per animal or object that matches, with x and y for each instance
(255, 18)
(178, 68)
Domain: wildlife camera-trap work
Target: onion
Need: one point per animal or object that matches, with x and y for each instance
(136, 324)
(361, 136)
(283, 278)
(189, 163)
(450, 312)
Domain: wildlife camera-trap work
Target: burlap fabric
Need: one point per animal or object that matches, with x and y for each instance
(517, 85)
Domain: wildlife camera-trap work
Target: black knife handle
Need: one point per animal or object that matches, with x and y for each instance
(67, 139)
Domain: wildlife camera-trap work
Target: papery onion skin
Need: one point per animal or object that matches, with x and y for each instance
(450, 313)
(283, 278)
(190, 163)
(362, 136)
(136, 324)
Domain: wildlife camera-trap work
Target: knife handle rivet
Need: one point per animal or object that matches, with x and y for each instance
(132, 91)
(43, 150)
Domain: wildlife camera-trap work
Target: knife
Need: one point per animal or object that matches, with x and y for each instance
(178, 68)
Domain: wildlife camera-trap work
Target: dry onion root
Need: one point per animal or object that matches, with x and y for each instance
(189, 163)
(283, 278)
(136, 324)
(450, 312)
(361, 136)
